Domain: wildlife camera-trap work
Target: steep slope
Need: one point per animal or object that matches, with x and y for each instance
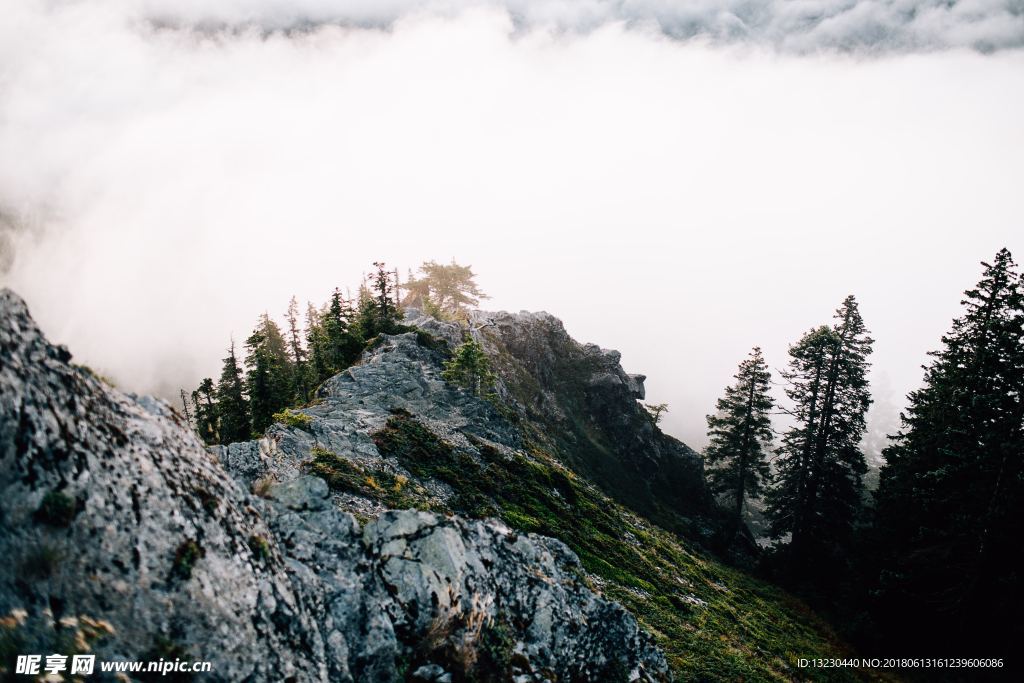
(390, 432)
(123, 534)
(577, 401)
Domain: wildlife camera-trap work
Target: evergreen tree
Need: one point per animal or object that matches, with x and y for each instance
(383, 288)
(951, 495)
(818, 486)
(444, 290)
(739, 433)
(470, 369)
(317, 343)
(232, 408)
(378, 312)
(342, 344)
(787, 497)
(655, 411)
(205, 410)
(301, 379)
(268, 374)
(189, 418)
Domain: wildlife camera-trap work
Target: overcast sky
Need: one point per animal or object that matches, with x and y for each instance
(676, 184)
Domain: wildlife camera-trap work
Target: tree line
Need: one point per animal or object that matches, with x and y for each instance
(281, 368)
(932, 558)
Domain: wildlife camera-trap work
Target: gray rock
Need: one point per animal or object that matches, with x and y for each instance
(635, 384)
(579, 398)
(301, 493)
(428, 672)
(157, 539)
(111, 509)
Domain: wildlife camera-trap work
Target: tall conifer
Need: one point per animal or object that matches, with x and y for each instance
(740, 433)
(342, 344)
(232, 408)
(268, 374)
(317, 343)
(205, 410)
(951, 495)
(819, 483)
(301, 379)
(378, 312)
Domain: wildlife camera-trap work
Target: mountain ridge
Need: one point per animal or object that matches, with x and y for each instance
(160, 544)
(297, 528)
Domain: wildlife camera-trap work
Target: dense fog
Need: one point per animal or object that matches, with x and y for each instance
(679, 186)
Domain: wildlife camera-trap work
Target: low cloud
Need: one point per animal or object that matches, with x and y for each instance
(678, 200)
(796, 26)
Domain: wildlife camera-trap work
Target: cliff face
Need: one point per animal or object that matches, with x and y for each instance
(112, 510)
(579, 402)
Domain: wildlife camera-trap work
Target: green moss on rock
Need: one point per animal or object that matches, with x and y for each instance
(56, 509)
(293, 418)
(712, 621)
(344, 476)
(185, 558)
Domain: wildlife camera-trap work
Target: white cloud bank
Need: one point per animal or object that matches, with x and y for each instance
(678, 200)
(796, 25)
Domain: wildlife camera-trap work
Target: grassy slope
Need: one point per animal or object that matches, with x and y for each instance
(713, 622)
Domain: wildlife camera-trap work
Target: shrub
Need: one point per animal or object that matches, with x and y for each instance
(185, 558)
(292, 418)
(495, 649)
(40, 563)
(260, 548)
(470, 369)
(57, 509)
(340, 473)
(343, 475)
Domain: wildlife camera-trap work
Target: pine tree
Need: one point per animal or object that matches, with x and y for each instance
(378, 312)
(205, 410)
(470, 368)
(383, 289)
(317, 343)
(740, 434)
(301, 379)
(951, 494)
(655, 411)
(818, 486)
(268, 374)
(342, 344)
(189, 417)
(444, 290)
(232, 408)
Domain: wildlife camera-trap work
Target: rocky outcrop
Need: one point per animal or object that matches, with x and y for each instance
(577, 401)
(582, 404)
(398, 374)
(112, 510)
(572, 400)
